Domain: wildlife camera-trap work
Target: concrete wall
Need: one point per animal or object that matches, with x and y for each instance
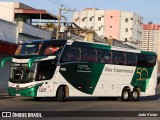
(126, 25)
(112, 24)
(4, 75)
(137, 28)
(9, 8)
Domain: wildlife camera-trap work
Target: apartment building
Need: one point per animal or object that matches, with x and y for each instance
(151, 38)
(113, 24)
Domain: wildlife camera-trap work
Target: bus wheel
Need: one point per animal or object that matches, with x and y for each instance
(61, 94)
(37, 98)
(135, 94)
(125, 95)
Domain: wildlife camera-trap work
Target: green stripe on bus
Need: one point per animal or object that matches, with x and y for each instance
(82, 76)
(33, 59)
(142, 77)
(149, 53)
(29, 92)
(4, 60)
(92, 45)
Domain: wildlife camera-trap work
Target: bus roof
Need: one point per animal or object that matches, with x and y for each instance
(107, 47)
(91, 44)
(44, 41)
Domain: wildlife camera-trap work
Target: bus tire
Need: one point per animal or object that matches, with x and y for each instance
(125, 95)
(37, 98)
(61, 94)
(135, 94)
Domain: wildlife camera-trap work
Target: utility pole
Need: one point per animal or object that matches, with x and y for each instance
(58, 27)
(59, 18)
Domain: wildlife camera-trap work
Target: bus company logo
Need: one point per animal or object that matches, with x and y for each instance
(6, 114)
(84, 67)
(63, 69)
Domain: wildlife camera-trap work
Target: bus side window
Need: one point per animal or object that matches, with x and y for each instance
(119, 58)
(104, 56)
(46, 70)
(47, 50)
(146, 60)
(131, 59)
(72, 54)
(89, 55)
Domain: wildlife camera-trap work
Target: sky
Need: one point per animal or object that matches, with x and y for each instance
(148, 9)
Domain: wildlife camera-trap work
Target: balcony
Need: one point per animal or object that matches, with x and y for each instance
(31, 30)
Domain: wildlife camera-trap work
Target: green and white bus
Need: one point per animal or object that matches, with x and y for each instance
(63, 69)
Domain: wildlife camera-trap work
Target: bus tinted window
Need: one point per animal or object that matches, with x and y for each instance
(71, 54)
(131, 59)
(146, 60)
(52, 50)
(46, 70)
(104, 56)
(89, 55)
(119, 58)
(28, 49)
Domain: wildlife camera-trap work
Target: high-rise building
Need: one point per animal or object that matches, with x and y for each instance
(151, 38)
(113, 24)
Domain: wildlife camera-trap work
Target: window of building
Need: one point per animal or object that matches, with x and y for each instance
(90, 19)
(99, 18)
(126, 29)
(126, 20)
(83, 19)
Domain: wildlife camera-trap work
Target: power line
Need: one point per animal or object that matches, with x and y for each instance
(61, 4)
(66, 4)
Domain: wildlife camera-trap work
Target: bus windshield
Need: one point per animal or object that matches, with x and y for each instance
(28, 49)
(20, 73)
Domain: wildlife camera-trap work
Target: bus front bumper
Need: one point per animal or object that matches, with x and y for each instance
(27, 92)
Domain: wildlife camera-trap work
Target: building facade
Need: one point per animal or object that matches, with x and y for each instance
(151, 37)
(23, 16)
(113, 24)
(151, 40)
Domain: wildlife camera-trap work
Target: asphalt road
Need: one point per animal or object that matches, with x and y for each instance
(148, 104)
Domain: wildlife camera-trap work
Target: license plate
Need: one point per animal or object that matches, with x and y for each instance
(18, 95)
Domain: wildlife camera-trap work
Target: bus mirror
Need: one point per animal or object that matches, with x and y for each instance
(4, 60)
(33, 59)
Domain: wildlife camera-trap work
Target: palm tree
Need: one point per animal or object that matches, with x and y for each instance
(50, 26)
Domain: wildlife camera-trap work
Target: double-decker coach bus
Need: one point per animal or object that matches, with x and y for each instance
(81, 69)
